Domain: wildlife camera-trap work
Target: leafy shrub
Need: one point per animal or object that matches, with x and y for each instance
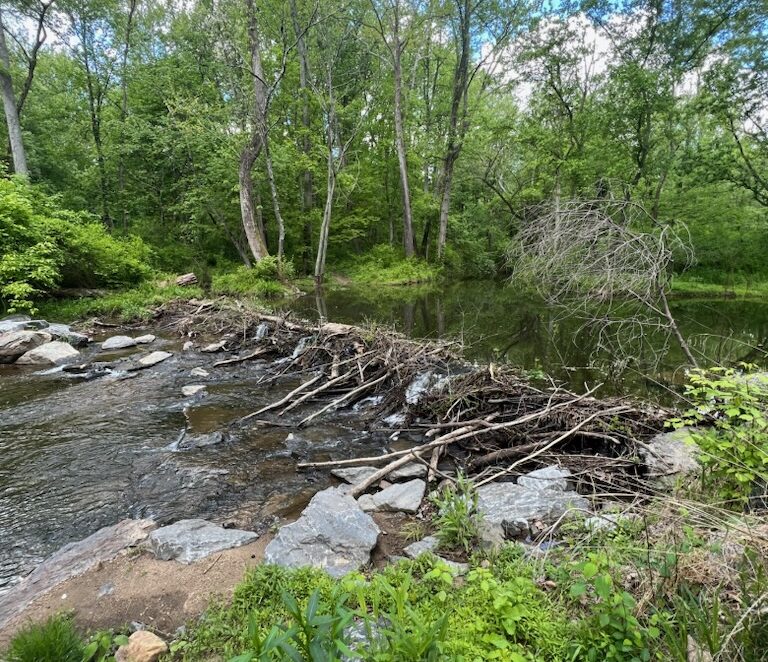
(56, 640)
(43, 247)
(458, 517)
(386, 265)
(734, 452)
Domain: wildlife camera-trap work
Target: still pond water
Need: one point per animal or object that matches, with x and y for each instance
(77, 454)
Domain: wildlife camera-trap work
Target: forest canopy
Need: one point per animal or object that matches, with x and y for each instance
(223, 131)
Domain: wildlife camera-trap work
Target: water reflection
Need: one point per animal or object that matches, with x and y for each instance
(495, 323)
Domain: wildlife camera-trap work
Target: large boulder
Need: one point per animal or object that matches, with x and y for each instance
(509, 510)
(14, 344)
(65, 333)
(13, 323)
(333, 533)
(52, 353)
(189, 540)
(73, 560)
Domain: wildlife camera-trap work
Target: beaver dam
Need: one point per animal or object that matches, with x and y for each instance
(489, 422)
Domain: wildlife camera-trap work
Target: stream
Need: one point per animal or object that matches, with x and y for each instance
(77, 454)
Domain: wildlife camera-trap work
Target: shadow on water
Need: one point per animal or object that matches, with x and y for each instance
(495, 323)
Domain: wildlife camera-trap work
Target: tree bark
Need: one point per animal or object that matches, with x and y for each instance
(124, 114)
(325, 226)
(11, 112)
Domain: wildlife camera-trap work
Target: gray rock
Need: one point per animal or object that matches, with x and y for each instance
(413, 470)
(509, 509)
(415, 549)
(606, 521)
(405, 497)
(187, 346)
(13, 323)
(118, 342)
(457, 569)
(198, 372)
(672, 453)
(547, 478)
(353, 475)
(262, 331)
(333, 533)
(365, 501)
(192, 389)
(73, 560)
(36, 325)
(145, 339)
(13, 344)
(153, 358)
(64, 333)
(52, 353)
(189, 540)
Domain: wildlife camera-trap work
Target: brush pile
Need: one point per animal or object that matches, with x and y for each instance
(487, 421)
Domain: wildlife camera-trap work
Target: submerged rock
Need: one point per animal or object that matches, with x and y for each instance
(118, 342)
(14, 344)
(73, 560)
(142, 646)
(333, 533)
(192, 389)
(672, 453)
(189, 540)
(199, 372)
(52, 353)
(405, 497)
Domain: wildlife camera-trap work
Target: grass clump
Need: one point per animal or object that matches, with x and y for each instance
(385, 265)
(55, 640)
(131, 305)
(259, 282)
(458, 518)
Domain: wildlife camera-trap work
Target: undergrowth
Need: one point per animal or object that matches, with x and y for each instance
(385, 265)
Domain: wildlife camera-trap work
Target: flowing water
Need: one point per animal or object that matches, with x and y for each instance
(77, 454)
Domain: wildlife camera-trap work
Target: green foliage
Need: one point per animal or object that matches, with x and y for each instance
(458, 517)
(55, 640)
(734, 451)
(43, 247)
(102, 646)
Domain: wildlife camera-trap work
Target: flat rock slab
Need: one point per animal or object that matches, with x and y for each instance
(354, 475)
(199, 372)
(413, 470)
(547, 478)
(14, 344)
(73, 560)
(118, 342)
(145, 339)
(192, 389)
(189, 540)
(214, 347)
(333, 533)
(509, 508)
(405, 497)
(153, 358)
(52, 353)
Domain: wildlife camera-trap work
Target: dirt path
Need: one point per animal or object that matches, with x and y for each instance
(163, 595)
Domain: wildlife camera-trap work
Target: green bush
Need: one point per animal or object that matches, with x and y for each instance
(386, 265)
(734, 450)
(43, 247)
(56, 640)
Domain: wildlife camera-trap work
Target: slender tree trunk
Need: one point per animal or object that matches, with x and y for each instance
(275, 200)
(456, 121)
(11, 113)
(124, 114)
(325, 226)
(307, 192)
(397, 49)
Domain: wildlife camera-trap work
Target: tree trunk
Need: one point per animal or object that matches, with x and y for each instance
(11, 113)
(397, 49)
(275, 201)
(325, 226)
(254, 230)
